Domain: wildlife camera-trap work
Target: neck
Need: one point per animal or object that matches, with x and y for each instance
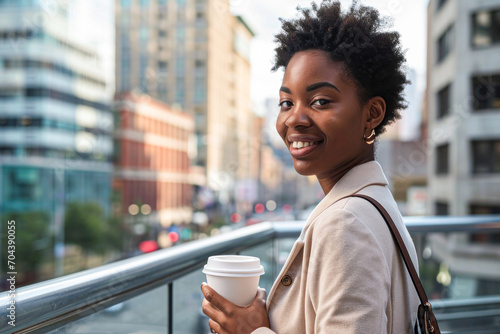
(327, 183)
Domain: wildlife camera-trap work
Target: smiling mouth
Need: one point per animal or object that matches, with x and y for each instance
(303, 144)
(302, 149)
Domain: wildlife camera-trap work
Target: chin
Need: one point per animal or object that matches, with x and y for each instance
(303, 170)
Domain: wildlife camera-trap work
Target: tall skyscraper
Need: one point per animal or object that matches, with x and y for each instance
(193, 54)
(55, 95)
(463, 106)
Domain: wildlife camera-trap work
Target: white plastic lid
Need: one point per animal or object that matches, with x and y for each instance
(233, 266)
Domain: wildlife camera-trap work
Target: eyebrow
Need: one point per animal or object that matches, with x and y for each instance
(312, 87)
(319, 85)
(285, 89)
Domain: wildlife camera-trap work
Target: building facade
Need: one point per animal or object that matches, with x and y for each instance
(153, 149)
(463, 146)
(463, 106)
(55, 116)
(193, 55)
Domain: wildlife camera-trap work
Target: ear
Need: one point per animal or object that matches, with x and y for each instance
(375, 112)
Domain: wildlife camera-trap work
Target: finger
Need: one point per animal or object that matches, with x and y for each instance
(260, 296)
(217, 300)
(214, 326)
(209, 310)
(261, 293)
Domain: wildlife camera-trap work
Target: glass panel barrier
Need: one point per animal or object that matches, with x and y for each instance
(146, 313)
(188, 317)
(462, 271)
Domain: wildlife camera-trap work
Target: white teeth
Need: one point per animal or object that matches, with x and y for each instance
(301, 144)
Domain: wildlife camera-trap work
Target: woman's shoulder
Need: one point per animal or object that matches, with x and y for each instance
(357, 215)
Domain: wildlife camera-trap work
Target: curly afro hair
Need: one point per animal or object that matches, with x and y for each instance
(373, 57)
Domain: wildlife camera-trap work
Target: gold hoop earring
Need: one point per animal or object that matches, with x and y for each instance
(371, 138)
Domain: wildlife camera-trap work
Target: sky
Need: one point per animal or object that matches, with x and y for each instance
(408, 16)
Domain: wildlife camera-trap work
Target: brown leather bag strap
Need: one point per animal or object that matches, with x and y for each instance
(401, 245)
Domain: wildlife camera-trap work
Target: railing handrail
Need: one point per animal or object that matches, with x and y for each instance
(56, 301)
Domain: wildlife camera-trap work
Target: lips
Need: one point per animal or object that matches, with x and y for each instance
(302, 145)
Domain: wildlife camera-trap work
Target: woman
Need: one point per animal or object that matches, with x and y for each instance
(342, 86)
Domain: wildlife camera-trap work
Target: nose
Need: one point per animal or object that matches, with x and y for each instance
(298, 117)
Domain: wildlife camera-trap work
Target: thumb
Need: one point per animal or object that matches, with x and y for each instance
(261, 294)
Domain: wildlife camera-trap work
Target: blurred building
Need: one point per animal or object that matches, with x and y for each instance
(401, 153)
(463, 145)
(152, 171)
(193, 55)
(55, 117)
(463, 106)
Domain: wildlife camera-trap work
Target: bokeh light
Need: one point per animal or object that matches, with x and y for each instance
(146, 209)
(235, 217)
(287, 208)
(186, 234)
(173, 236)
(133, 209)
(260, 208)
(271, 205)
(148, 246)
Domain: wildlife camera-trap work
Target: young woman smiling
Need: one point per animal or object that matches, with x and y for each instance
(342, 85)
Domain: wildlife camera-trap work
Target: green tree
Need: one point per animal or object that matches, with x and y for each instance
(33, 242)
(85, 226)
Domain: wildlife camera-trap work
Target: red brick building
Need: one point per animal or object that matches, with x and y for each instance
(153, 148)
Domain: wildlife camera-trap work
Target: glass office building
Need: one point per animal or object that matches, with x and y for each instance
(55, 116)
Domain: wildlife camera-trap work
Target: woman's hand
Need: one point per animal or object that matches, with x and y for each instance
(228, 318)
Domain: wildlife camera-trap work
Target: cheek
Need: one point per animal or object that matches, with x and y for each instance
(280, 125)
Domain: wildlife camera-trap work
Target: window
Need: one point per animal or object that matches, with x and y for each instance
(144, 33)
(180, 66)
(441, 208)
(486, 156)
(485, 28)
(439, 4)
(162, 66)
(486, 91)
(23, 184)
(443, 102)
(445, 44)
(181, 34)
(199, 90)
(442, 159)
(484, 209)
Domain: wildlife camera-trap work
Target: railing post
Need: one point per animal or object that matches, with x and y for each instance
(171, 308)
(276, 253)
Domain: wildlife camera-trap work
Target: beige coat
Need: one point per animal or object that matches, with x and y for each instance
(345, 273)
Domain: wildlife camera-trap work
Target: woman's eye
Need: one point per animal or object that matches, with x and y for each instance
(321, 102)
(286, 104)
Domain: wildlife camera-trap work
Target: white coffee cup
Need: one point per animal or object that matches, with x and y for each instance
(234, 277)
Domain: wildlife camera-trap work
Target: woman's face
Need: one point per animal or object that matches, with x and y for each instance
(321, 119)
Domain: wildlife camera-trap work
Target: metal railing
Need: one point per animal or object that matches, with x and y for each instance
(48, 305)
